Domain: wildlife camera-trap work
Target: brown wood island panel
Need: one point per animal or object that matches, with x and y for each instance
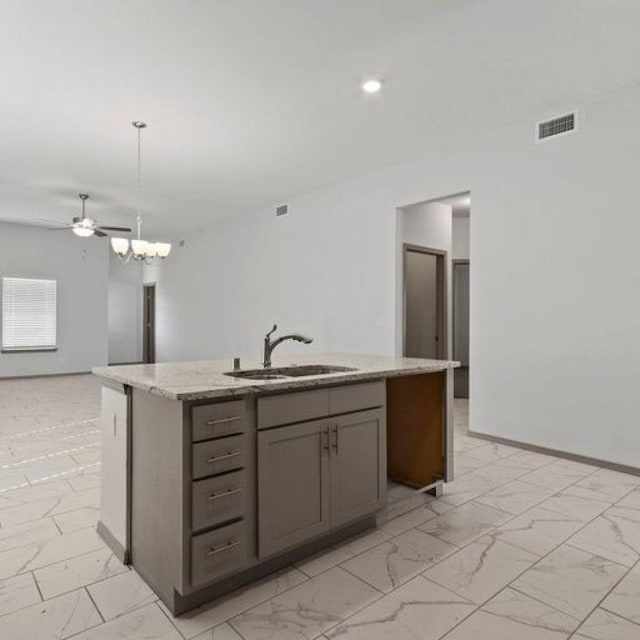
(415, 429)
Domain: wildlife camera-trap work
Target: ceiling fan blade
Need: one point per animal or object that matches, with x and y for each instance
(123, 229)
(99, 233)
(65, 224)
(60, 228)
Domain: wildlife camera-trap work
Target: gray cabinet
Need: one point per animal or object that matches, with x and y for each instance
(317, 476)
(293, 485)
(358, 465)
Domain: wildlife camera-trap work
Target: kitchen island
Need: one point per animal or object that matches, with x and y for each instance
(214, 477)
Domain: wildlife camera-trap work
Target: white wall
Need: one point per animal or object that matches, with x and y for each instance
(81, 270)
(426, 225)
(555, 284)
(460, 245)
(125, 311)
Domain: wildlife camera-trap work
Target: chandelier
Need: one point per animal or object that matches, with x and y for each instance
(140, 250)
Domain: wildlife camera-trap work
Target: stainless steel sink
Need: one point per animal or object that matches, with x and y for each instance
(311, 370)
(280, 373)
(256, 374)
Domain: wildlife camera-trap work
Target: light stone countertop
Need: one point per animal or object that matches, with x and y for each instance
(205, 378)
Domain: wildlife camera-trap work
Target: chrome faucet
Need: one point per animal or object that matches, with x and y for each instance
(270, 345)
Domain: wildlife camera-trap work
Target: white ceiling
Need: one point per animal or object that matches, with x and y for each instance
(252, 101)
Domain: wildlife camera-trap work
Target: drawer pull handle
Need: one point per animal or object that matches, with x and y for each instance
(226, 456)
(210, 423)
(224, 494)
(229, 545)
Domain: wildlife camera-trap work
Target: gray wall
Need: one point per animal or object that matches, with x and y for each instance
(555, 335)
(460, 248)
(81, 270)
(125, 311)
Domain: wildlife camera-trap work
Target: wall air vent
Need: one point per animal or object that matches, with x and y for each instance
(556, 127)
(282, 210)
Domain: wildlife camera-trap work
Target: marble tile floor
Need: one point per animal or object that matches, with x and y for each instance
(521, 545)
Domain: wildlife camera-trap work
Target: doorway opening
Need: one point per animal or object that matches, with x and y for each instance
(432, 306)
(149, 324)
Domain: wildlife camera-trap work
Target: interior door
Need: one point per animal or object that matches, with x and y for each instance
(293, 485)
(422, 304)
(358, 465)
(149, 324)
(461, 313)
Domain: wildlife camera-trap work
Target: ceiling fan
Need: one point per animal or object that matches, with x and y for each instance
(83, 226)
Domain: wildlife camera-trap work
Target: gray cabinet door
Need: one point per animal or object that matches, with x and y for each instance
(358, 465)
(293, 485)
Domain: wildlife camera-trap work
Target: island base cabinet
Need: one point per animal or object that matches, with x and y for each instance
(293, 485)
(358, 465)
(318, 476)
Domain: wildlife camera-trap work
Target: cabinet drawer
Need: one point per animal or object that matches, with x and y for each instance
(292, 407)
(215, 456)
(217, 553)
(216, 500)
(356, 397)
(217, 420)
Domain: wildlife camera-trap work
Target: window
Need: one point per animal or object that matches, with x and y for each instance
(28, 314)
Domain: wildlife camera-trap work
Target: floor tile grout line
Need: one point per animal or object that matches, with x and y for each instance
(380, 591)
(24, 434)
(52, 563)
(563, 542)
(615, 613)
(51, 515)
(597, 555)
(173, 624)
(381, 595)
(256, 604)
(603, 599)
(95, 604)
(50, 456)
(88, 584)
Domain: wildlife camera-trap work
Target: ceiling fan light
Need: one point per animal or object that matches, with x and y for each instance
(163, 249)
(83, 232)
(139, 248)
(120, 245)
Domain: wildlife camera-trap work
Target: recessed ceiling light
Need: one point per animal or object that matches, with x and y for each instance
(371, 86)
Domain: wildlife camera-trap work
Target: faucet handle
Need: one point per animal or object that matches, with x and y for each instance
(275, 326)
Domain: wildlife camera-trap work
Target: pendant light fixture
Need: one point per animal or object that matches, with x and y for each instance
(140, 250)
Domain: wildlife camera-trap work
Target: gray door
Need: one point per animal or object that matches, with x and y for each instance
(461, 312)
(358, 465)
(422, 304)
(149, 324)
(293, 485)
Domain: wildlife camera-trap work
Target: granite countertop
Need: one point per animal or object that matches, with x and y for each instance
(205, 378)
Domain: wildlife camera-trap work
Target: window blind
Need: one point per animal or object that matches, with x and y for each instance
(28, 314)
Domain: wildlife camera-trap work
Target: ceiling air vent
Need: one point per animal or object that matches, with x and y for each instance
(282, 210)
(556, 127)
